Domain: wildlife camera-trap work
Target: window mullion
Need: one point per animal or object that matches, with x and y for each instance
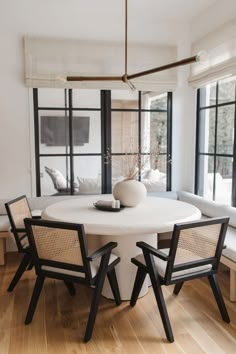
(139, 134)
(36, 136)
(169, 142)
(233, 198)
(197, 153)
(71, 142)
(106, 140)
(215, 147)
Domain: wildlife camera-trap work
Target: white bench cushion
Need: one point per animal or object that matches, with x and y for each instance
(207, 207)
(4, 223)
(230, 242)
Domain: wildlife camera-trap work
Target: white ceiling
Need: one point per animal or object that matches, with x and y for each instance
(149, 21)
(158, 9)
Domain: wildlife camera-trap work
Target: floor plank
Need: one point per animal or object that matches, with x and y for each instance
(60, 320)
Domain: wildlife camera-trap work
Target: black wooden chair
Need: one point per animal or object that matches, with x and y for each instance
(194, 252)
(17, 210)
(59, 251)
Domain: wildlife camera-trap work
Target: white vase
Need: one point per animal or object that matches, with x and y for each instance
(130, 192)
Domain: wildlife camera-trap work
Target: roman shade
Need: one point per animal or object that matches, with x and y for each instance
(221, 62)
(49, 60)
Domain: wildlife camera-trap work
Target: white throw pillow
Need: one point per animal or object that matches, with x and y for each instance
(155, 186)
(153, 175)
(145, 173)
(89, 185)
(59, 180)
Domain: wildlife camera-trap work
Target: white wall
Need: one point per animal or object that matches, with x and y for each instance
(61, 19)
(184, 117)
(17, 19)
(215, 16)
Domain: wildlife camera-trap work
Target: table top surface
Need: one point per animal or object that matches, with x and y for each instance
(153, 215)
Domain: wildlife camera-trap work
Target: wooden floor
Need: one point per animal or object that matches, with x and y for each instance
(59, 322)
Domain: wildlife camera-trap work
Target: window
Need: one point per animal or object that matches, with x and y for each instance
(215, 149)
(74, 130)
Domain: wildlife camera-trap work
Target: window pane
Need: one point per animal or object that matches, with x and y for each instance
(53, 132)
(86, 132)
(124, 166)
(223, 179)
(51, 97)
(124, 99)
(154, 173)
(124, 127)
(153, 162)
(154, 132)
(207, 130)
(55, 175)
(150, 100)
(205, 178)
(225, 129)
(87, 174)
(226, 90)
(86, 98)
(208, 95)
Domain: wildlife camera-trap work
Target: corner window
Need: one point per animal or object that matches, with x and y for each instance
(215, 150)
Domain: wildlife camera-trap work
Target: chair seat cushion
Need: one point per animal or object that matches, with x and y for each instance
(36, 213)
(94, 266)
(161, 265)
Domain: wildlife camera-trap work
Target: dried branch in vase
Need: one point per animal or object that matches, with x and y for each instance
(134, 163)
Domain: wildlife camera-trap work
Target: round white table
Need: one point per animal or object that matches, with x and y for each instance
(130, 225)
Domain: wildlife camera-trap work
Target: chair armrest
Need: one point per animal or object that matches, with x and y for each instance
(152, 250)
(35, 217)
(101, 251)
(19, 230)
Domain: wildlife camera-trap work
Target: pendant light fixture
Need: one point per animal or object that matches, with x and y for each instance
(128, 77)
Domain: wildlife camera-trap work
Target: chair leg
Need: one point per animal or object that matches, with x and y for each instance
(96, 297)
(139, 279)
(159, 296)
(114, 285)
(22, 267)
(70, 287)
(178, 287)
(31, 266)
(219, 298)
(34, 299)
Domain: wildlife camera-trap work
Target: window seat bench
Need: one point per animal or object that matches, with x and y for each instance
(211, 209)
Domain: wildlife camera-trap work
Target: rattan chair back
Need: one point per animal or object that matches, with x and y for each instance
(17, 210)
(195, 245)
(58, 244)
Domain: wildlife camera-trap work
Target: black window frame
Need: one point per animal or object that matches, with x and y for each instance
(214, 154)
(106, 112)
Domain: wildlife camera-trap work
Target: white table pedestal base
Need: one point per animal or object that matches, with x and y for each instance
(125, 270)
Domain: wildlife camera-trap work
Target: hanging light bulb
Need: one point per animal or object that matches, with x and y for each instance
(202, 56)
